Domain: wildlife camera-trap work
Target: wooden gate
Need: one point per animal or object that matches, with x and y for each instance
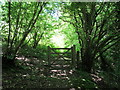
(58, 60)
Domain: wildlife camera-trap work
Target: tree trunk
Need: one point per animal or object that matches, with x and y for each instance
(87, 62)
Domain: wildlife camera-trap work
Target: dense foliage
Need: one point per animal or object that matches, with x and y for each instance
(27, 28)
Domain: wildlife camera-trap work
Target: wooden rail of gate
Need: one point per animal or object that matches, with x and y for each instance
(73, 54)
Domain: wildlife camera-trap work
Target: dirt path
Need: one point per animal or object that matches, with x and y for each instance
(33, 75)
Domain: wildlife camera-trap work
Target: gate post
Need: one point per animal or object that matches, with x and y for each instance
(73, 56)
(48, 66)
(78, 58)
(48, 56)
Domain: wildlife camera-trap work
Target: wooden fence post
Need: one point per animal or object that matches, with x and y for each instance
(73, 55)
(48, 56)
(48, 67)
(78, 58)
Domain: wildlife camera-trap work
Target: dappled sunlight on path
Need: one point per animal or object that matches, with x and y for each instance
(33, 74)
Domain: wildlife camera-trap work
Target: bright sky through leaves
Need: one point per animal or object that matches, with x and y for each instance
(57, 38)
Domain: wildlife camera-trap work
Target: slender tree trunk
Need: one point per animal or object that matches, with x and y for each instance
(9, 8)
(17, 24)
(37, 41)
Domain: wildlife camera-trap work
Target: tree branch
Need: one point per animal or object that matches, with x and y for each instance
(67, 21)
(107, 48)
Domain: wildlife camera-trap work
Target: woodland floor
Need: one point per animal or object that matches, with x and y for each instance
(32, 74)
